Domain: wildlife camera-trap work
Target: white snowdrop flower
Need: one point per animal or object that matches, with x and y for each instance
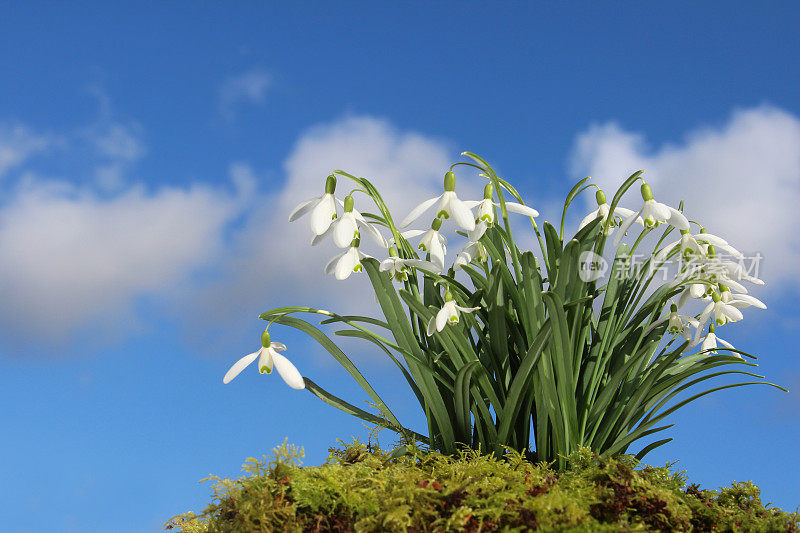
(678, 324)
(349, 226)
(711, 341)
(323, 208)
(398, 268)
(448, 314)
(739, 301)
(721, 312)
(347, 262)
(473, 249)
(653, 213)
(268, 357)
(602, 211)
(485, 211)
(692, 246)
(448, 205)
(433, 242)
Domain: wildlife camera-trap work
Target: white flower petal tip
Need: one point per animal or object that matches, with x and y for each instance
(288, 372)
(520, 209)
(417, 211)
(238, 366)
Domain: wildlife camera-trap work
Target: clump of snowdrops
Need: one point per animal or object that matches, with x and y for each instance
(527, 352)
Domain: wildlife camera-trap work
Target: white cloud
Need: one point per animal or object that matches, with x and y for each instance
(272, 264)
(18, 143)
(69, 258)
(741, 180)
(248, 88)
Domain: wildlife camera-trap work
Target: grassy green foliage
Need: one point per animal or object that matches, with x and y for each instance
(361, 488)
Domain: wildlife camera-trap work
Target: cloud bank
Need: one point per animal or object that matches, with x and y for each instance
(741, 180)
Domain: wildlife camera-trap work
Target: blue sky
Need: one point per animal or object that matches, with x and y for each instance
(149, 155)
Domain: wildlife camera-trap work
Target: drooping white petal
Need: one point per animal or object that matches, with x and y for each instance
(588, 218)
(333, 262)
(625, 213)
(709, 343)
(238, 366)
(513, 207)
(625, 225)
(652, 326)
(745, 300)
(471, 203)
(278, 346)
(676, 219)
(373, 233)
(660, 256)
(346, 264)
(288, 372)
(417, 211)
(431, 326)
(442, 316)
(730, 312)
(463, 258)
(319, 238)
(344, 230)
(727, 345)
(466, 309)
(410, 234)
(303, 208)
(426, 265)
(323, 214)
(461, 214)
(437, 251)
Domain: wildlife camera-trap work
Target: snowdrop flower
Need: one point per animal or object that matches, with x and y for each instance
(473, 249)
(739, 301)
(398, 268)
(346, 227)
(678, 324)
(721, 312)
(690, 246)
(448, 314)
(653, 213)
(347, 262)
(710, 342)
(323, 208)
(485, 212)
(449, 204)
(602, 211)
(268, 357)
(434, 243)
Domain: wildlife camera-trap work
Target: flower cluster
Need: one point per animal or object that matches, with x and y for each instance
(532, 346)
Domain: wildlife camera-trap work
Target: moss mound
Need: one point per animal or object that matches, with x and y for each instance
(361, 488)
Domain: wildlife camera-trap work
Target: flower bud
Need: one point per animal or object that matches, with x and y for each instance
(265, 340)
(348, 204)
(673, 308)
(647, 192)
(436, 224)
(330, 184)
(711, 327)
(600, 196)
(488, 191)
(448, 296)
(356, 242)
(392, 251)
(715, 296)
(449, 181)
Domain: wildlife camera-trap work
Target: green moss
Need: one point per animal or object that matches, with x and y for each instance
(361, 488)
